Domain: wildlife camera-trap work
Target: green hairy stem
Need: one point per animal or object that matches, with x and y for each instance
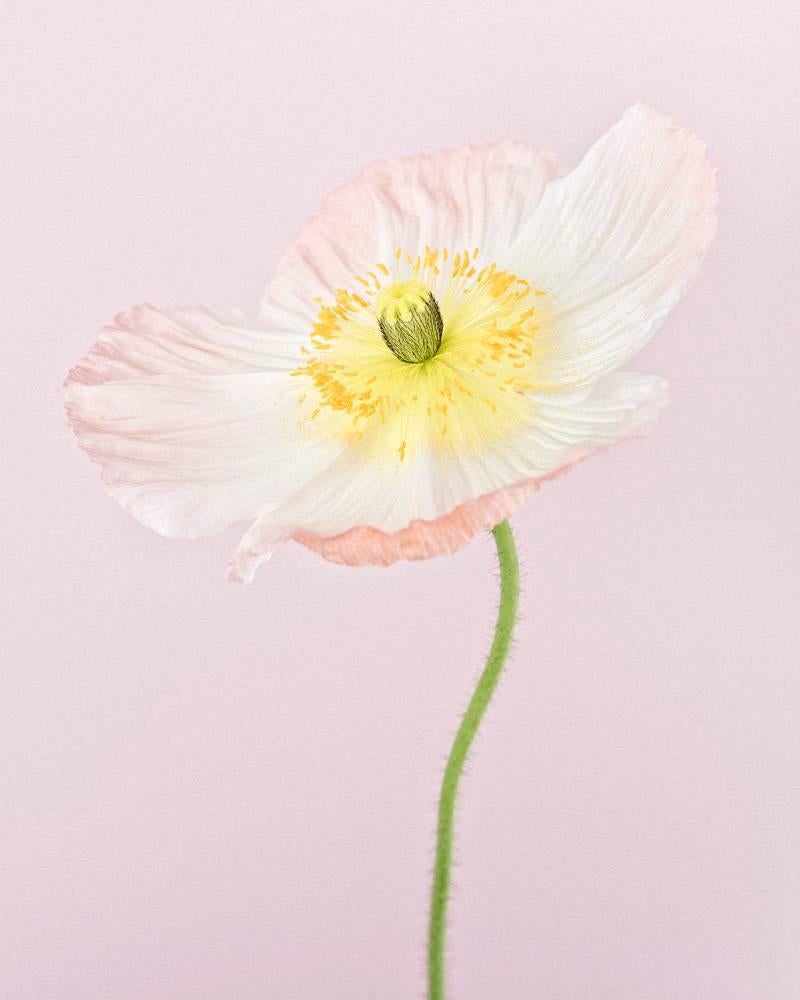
(506, 620)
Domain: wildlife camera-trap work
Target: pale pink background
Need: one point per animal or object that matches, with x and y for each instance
(220, 793)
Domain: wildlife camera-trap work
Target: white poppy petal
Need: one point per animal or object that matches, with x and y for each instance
(191, 340)
(192, 415)
(615, 244)
(441, 496)
(474, 196)
(567, 428)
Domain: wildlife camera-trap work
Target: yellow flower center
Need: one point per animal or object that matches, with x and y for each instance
(430, 353)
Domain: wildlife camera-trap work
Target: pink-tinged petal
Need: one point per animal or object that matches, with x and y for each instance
(616, 243)
(191, 340)
(359, 513)
(192, 416)
(365, 546)
(474, 196)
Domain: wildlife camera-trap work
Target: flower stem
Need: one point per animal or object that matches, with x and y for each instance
(506, 619)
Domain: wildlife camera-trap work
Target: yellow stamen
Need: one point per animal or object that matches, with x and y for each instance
(441, 357)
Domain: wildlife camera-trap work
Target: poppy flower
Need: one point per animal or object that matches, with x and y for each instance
(447, 333)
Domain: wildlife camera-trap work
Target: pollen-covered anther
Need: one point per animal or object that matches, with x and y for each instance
(410, 321)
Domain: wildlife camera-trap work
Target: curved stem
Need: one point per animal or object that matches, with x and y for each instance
(506, 619)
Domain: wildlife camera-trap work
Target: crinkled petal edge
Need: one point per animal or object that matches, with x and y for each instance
(366, 546)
